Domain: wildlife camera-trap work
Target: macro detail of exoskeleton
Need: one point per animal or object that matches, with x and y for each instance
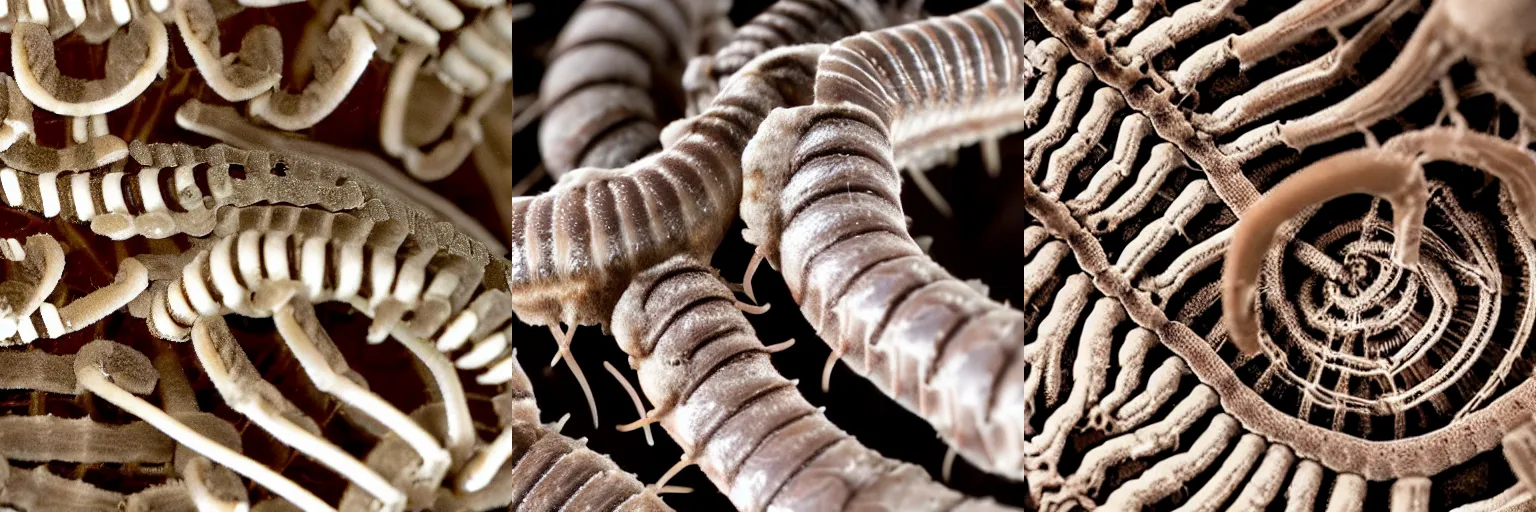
(1362, 331)
(1377, 354)
(273, 255)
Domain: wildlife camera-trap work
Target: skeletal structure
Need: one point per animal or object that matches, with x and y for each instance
(1411, 453)
(180, 220)
(1148, 130)
(326, 260)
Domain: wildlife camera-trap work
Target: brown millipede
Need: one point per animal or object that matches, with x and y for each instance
(948, 82)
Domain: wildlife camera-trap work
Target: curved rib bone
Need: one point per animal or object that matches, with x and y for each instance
(253, 70)
(31, 282)
(1390, 172)
(343, 59)
(446, 157)
(310, 344)
(1393, 176)
(242, 387)
(134, 59)
(209, 485)
(116, 373)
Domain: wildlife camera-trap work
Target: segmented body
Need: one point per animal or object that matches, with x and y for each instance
(788, 23)
(447, 298)
(1115, 229)
(177, 189)
(264, 256)
(575, 247)
(598, 91)
(716, 393)
(943, 83)
(274, 261)
(543, 469)
(1112, 385)
(829, 217)
(1155, 294)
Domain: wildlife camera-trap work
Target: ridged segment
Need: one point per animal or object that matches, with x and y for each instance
(791, 22)
(753, 435)
(598, 89)
(836, 232)
(550, 471)
(576, 246)
(939, 83)
(822, 203)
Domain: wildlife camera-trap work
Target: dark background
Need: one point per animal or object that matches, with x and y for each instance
(982, 241)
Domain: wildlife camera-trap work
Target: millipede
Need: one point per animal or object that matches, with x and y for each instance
(707, 375)
(1090, 254)
(863, 279)
(574, 246)
(787, 23)
(599, 109)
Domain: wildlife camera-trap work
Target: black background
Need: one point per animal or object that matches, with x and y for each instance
(981, 241)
